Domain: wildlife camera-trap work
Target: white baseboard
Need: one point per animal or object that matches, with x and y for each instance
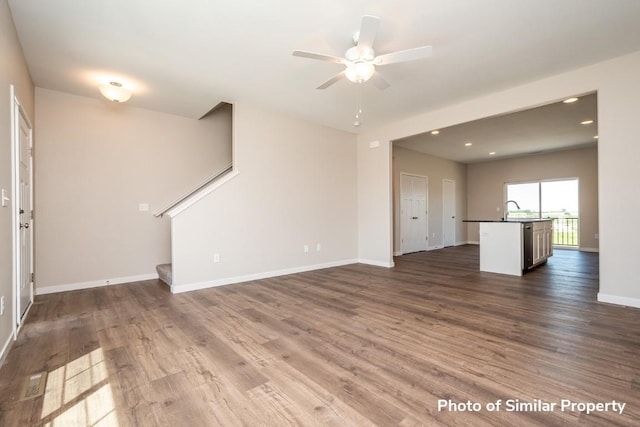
(581, 249)
(176, 289)
(614, 299)
(473, 242)
(377, 263)
(94, 284)
(433, 248)
(398, 253)
(6, 347)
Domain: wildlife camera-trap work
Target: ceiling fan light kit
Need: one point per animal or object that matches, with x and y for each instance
(359, 72)
(360, 61)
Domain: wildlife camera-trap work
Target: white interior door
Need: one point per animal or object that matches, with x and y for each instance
(413, 211)
(24, 199)
(448, 212)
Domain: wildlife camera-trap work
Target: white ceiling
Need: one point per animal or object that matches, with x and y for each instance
(555, 126)
(184, 57)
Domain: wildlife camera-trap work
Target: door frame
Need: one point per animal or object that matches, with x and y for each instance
(426, 207)
(444, 224)
(17, 111)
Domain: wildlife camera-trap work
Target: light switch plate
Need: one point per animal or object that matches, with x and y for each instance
(144, 207)
(5, 198)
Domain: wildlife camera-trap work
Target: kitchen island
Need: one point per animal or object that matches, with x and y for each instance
(514, 246)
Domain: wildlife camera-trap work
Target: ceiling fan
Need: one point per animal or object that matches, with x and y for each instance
(360, 61)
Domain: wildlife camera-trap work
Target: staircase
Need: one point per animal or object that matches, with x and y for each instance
(215, 181)
(164, 273)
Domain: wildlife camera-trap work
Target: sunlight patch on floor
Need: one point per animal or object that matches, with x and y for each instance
(81, 389)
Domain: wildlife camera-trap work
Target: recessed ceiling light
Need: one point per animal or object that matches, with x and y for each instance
(493, 153)
(586, 122)
(435, 132)
(595, 137)
(570, 100)
(468, 144)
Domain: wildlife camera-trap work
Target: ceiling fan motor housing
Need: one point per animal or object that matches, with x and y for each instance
(359, 53)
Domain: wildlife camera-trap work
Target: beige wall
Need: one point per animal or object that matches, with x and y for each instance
(13, 71)
(486, 186)
(436, 169)
(618, 87)
(96, 161)
(296, 186)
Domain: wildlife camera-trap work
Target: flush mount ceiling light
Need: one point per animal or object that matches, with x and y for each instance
(570, 100)
(435, 132)
(115, 92)
(493, 153)
(595, 137)
(468, 144)
(586, 122)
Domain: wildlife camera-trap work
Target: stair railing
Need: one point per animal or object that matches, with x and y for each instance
(211, 179)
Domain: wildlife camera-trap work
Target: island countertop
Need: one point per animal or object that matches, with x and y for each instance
(508, 220)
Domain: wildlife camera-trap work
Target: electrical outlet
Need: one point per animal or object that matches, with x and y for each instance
(305, 248)
(596, 236)
(318, 247)
(1, 305)
(216, 257)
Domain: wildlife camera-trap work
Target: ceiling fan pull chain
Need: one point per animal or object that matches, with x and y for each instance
(358, 121)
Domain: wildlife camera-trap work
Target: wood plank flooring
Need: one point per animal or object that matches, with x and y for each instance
(348, 346)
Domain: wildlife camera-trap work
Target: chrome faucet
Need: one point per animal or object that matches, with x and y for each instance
(506, 209)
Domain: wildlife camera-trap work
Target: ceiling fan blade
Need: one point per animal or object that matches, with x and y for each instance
(379, 81)
(404, 55)
(368, 31)
(331, 81)
(319, 56)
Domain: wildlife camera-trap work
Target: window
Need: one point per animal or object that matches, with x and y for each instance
(555, 199)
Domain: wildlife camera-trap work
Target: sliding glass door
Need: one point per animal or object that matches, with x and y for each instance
(554, 199)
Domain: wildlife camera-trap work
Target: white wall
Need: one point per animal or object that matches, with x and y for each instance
(618, 87)
(96, 161)
(13, 71)
(436, 169)
(296, 186)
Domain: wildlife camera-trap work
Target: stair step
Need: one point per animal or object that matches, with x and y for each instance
(164, 272)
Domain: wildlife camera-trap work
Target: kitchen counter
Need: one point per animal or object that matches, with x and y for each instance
(508, 220)
(514, 246)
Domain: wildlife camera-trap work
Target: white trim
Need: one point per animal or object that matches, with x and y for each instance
(15, 237)
(377, 263)
(26, 313)
(473, 242)
(614, 299)
(176, 289)
(397, 253)
(181, 207)
(94, 284)
(581, 249)
(6, 347)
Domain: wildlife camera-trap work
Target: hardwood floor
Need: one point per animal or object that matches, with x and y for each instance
(348, 346)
